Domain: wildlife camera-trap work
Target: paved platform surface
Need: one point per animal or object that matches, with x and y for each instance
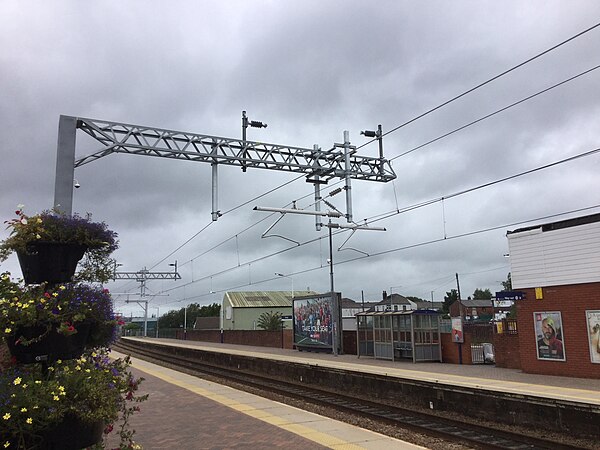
(187, 413)
(481, 376)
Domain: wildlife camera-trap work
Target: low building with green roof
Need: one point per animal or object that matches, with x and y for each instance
(241, 310)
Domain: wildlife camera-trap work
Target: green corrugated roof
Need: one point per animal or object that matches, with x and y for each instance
(263, 299)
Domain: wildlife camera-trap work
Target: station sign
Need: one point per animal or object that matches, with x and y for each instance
(510, 295)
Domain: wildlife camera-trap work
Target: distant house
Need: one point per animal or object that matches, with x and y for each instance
(436, 306)
(349, 310)
(472, 309)
(394, 302)
(241, 310)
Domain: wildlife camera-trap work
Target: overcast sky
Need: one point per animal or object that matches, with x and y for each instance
(310, 70)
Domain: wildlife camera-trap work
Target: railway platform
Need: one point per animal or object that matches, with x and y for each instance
(188, 413)
(483, 376)
(563, 405)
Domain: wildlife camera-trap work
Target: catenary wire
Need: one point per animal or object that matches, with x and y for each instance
(407, 247)
(581, 33)
(384, 216)
(426, 113)
(481, 119)
(411, 121)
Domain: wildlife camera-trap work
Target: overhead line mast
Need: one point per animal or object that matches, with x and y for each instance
(319, 166)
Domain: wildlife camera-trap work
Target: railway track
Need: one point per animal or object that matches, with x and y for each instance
(471, 435)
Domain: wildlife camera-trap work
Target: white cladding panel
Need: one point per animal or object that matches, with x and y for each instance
(558, 257)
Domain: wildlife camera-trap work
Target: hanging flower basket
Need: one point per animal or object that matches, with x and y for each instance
(72, 434)
(31, 344)
(52, 262)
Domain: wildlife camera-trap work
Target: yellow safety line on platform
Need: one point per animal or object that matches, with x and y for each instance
(301, 430)
(510, 387)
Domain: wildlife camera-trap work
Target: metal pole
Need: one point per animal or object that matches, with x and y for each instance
(215, 192)
(333, 299)
(185, 323)
(244, 127)
(347, 170)
(460, 311)
(65, 165)
(145, 318)
(157, 317)
(318, 223)
(380, 139)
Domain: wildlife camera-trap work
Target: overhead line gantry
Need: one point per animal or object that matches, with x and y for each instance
(341, 161)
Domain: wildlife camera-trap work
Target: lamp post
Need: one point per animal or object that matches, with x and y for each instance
(286, 276)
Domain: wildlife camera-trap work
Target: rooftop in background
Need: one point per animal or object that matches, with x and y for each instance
(264, 299)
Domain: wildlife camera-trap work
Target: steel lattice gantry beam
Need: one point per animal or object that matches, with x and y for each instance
(144, 275)
(319, 166)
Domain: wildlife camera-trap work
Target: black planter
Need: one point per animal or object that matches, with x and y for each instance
(51, 347)
(51, 262)
(72, 434)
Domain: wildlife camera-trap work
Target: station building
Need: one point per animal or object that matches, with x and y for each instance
(557, 267)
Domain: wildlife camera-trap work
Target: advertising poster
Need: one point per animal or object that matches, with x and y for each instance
(457, 330)
(549, 335)
(593, 324)
(313, 322)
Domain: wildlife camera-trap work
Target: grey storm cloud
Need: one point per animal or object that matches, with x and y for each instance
(310, 70)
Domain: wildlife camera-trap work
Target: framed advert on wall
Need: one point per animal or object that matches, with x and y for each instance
(593, 326)
(549, 335)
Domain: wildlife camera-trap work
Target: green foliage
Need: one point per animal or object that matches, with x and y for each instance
(65, 308)
(449, 298)
(174, 319)
(507, 285)
(92, 388)
(132, 326)
(51, 226)
(482, 294)
(270, 321)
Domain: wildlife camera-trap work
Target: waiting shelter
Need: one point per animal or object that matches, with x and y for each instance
(399, 335)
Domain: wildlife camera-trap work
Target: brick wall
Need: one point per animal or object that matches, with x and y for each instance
(258, 338)
(572, 301)
(506, 351)
(450, 350)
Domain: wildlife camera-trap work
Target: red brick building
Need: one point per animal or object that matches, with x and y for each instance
(557, 266)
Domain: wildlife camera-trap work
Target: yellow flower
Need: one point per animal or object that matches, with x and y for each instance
(55, 294)
(39, 220)
(56, 398)
(78, 367)
(23, 409)
(29, 420)
(61, 388)
(6, 416)
(6, 444)
(17, 381)
(38, 382)
(37, 236)
(7, 330)
(62, 288)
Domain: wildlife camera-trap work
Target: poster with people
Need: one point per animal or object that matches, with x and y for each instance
(313, 319)
(549, 335)
(593, 324)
